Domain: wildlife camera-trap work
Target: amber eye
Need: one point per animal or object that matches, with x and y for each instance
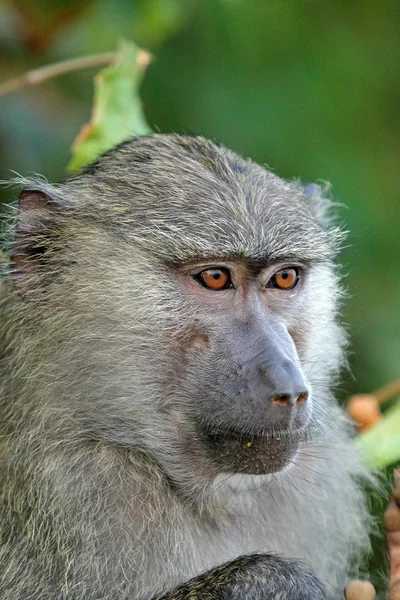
(285, 279)
(215, 279)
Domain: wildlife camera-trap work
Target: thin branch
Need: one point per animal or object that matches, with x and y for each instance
(37, 76)
(388, 391)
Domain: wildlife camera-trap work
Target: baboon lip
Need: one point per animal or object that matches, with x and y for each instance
(240, 452)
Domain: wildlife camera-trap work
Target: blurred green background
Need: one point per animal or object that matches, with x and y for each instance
(309, 87)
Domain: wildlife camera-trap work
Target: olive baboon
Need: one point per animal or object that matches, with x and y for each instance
(169, 343)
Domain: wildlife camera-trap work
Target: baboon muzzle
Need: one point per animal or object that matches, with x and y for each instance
(256, 406)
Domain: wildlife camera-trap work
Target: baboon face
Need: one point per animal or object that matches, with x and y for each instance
(208, 270)
(250, 401)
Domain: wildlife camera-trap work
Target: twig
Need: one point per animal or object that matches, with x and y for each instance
(388, 391)
(37, 76)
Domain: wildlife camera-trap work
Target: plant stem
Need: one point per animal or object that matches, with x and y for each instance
(37, 76)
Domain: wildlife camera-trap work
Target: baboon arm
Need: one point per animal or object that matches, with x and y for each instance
(252, 577)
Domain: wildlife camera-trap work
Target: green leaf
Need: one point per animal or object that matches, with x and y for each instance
(381, 444)
(117, 109)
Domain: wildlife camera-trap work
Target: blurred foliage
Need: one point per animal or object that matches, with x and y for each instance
(381, 443)
(41, 20)
(309, 87)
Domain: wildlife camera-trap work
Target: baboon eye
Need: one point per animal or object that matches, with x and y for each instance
(285, 279)
(215, 279)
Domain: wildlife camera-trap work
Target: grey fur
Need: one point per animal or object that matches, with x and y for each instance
(105, 492)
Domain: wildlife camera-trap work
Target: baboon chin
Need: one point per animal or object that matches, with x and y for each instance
(236, 452)
(168, 330)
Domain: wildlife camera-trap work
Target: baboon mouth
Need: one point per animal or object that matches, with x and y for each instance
(238, 452)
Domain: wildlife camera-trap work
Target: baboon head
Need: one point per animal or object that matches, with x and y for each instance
(183, 300)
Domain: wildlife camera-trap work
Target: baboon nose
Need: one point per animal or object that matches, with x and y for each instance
(285, 384)
(291, 407)
(290, 399)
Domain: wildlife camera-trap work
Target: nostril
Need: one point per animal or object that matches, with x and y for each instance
(302, 398)
(289, 399)
(281, 399)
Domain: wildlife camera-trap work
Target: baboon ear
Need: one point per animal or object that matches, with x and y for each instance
(312, 189)
(31, 239)
(321, 205)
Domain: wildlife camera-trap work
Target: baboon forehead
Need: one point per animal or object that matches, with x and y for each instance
(189, 196)
(171, 174)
